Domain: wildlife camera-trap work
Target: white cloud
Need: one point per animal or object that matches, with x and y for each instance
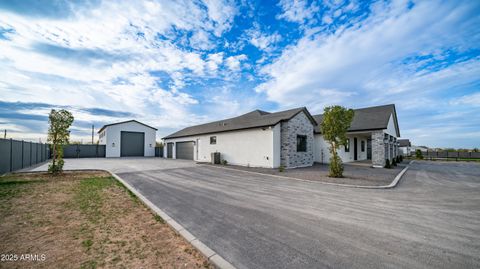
(261, 40)
(470, 100)
(297, 10)
(234, 62)
(103, 57)
(214, 61)
(366, 58)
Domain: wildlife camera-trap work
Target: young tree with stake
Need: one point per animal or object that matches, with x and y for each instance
(336, 121)
(58, 135)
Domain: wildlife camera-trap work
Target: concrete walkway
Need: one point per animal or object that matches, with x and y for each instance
(431, 220)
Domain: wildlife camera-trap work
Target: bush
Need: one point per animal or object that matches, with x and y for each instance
(224, 162)
(418, 154)
(57, 167)
(397, 159)
(335, 167)
(281, 168)
(387, 164)
(394, 163)
(401, 158)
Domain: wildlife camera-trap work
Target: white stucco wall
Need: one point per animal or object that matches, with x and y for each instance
(322, 153)
(253, 147)
(391, 127)
(102, 138)
(113, 138)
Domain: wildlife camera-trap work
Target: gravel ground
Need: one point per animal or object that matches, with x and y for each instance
(354, 174)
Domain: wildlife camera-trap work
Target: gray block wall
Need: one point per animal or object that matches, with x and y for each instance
(289, 157)
(378, 149)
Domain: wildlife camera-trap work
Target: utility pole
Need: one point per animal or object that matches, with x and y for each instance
(5, 135)
(92, 133)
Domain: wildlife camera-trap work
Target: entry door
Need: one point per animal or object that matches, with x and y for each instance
(355, 149)
(170, 150)
(369, 149)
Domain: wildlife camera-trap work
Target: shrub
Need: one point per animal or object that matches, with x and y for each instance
(224, 162)
(387, 164)
(418, 154)
(394, 163)
(281, 168)
(336, 166)
(401, 158)
(56, 167)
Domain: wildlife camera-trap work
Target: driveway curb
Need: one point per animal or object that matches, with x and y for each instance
(211, 255)
(393, 184)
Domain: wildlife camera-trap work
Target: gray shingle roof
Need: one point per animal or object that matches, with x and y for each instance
(404, 142)
(256, 118)
(369, 118)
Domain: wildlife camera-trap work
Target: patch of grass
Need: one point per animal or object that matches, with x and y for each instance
(87, 243)
(88, 197)
(130, 193)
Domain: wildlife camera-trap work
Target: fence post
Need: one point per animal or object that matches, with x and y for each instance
(22, 153)
(11, 157)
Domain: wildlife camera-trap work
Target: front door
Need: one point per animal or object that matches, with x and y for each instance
(355, 149)
(369, 149)
(170, 150)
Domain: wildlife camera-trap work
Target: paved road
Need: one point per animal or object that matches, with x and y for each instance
(431, 220)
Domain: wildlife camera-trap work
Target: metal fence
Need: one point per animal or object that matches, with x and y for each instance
(15, 154)
(83, 151)
(158, 151)
(451, 155)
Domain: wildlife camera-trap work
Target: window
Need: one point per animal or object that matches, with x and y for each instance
(363, 145)
(347, 145)
(301, 143)
(213, 140)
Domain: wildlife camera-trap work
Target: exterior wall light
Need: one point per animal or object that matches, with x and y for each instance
(113, 144)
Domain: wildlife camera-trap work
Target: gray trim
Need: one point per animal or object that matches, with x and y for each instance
(105, 126)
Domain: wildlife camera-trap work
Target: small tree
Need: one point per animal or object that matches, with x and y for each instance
(418, 154)
(336, 121)
(58, 135)
(387, 163)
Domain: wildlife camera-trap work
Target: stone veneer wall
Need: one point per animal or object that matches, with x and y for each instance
(378, 149)
(289, 157)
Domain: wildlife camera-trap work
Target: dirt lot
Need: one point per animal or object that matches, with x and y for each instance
(354, 174)
(84, 220)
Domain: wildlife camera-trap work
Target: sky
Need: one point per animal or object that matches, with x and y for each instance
(173, 64)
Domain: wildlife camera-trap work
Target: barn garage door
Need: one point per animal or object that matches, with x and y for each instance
(132, 144)
(185, 150)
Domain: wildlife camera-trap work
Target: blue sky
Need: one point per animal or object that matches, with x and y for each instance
(172, 64)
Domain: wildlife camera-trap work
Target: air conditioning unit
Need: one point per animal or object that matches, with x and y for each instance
(215, 157)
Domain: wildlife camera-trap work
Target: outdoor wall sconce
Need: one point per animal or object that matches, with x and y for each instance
(113, 144)
(150, 145)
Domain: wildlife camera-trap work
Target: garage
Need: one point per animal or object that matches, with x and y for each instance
(128, 138)
(132, 144)
(184, 150)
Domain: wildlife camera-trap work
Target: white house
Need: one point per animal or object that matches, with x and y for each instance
(290, 138)
(405, 147)
(128, 138)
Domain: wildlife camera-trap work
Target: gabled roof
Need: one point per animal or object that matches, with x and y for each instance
(105, 126)
(369, 118)
(254, 119)
(404, 143)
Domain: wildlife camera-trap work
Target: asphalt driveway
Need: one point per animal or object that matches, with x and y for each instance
(431, 220)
